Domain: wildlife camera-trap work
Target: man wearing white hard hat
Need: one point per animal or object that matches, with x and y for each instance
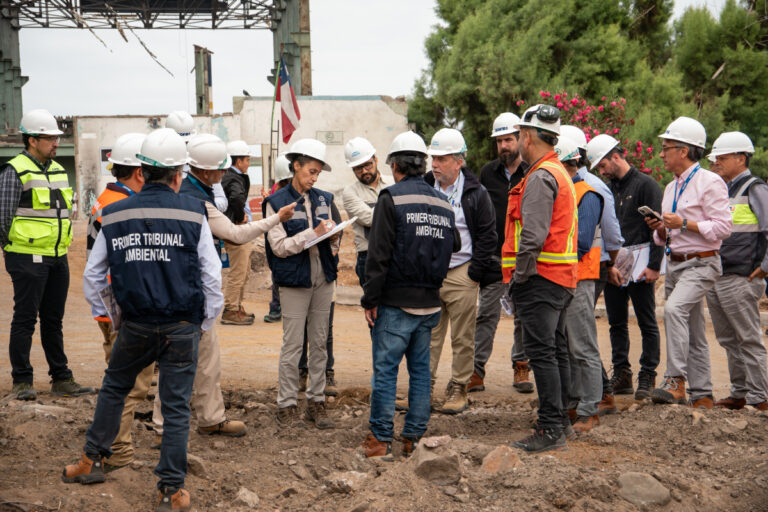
(306, 278)
(360, 197)
(126, 169)
(694, 221)
(144, 246)
(498, 177)
(236, 185)
(540, 259)
(733, 301)
(35, 231)
(631, 189)
(472, 267)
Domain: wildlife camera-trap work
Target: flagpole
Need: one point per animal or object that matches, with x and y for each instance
(272, 120)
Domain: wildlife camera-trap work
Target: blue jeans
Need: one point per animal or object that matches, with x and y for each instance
(174, 347)
(396, 334)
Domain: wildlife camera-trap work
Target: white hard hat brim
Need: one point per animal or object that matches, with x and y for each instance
(522, 124)
(361, 159)
(678, 139)
(42, 132)
(291, 156)
(507, 131)
(599, 158)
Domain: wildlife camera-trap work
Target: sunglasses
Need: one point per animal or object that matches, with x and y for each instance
(545, 113)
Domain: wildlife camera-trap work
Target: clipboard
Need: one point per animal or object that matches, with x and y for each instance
(337, 229)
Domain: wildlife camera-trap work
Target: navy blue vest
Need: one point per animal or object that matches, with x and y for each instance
(424, 224)
(295, 271)
(192, 186)
(152, 240)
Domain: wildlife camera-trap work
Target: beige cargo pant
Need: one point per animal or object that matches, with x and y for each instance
(237, 275)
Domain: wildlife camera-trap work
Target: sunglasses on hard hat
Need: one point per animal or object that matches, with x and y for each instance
(546, 113)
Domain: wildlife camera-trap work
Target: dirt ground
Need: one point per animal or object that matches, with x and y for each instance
(708, 461)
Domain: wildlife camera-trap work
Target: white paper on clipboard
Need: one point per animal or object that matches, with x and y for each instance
(114, 312)
(641, 254)
(337, 229)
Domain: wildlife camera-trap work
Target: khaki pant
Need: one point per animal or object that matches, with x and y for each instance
(122, 447)
(206, 400)
(237, 276)
(458, 298)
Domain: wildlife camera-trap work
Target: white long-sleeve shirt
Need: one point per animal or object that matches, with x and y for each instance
(97, 269)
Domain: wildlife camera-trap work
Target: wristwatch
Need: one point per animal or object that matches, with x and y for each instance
(684, 227)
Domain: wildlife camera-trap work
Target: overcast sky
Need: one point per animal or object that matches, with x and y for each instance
(359, 47)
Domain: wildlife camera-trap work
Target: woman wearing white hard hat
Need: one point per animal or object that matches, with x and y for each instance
(305, 277)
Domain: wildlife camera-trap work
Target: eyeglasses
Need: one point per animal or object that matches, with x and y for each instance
(667, 148)
(545, 113)
(50, 138)
(367, 166)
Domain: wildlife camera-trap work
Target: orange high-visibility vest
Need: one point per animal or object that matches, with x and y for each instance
(589, 264)
(558, 259)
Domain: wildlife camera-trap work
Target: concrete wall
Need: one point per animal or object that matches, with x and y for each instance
(333, 120)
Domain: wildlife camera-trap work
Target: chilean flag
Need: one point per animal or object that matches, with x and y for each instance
(288, 107)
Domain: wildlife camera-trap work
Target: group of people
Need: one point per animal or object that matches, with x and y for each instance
(538, 235)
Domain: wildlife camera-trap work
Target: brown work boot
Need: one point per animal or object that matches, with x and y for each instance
(456, 399)
(475, 383)
(621, 381)
(330, 384)
(705, 402)
(246, 315)
(409, 445)
(287, 416)
(572, 415)
(316, 413)
(229, 428)
(672, 391)
(607, 405)
(761, 406)
(586, 423)
(85, 471)
(173, 499)
(235, 317)
(302, 381)
(377, 450)
(731, 403)
(522, 382)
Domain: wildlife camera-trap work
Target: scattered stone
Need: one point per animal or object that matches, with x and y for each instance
(704, 449)
(68, 419)
(450, 490)
(301, 472)
(344, 482)
(248, 498)
(137, 465)
(462, 498)
(501, 460)
(288, 492)
(219, 445)
(633, 408)
(434, 442)
(697, 417)
(732, 426)
(642, 489)
(196, 466)
(256, 406)
(291, 462)
(358, 413)
(438, 466)
(38, 410)
(363, 507)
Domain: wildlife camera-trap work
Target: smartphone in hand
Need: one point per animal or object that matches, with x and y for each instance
(647, 212)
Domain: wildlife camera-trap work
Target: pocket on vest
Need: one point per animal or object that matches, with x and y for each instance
(34, 232)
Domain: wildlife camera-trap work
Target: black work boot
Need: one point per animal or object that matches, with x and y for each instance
(543, 440)
(621, 381)
(645, 383)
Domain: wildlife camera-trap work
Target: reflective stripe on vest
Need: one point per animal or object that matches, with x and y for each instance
(744, 219)
(41, 222)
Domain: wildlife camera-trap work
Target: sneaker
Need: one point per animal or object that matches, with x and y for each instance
(645, 383)
(522, 381)
(287, 416)
(85, 471)
(705, 402)
(157, 442)
(671, 392)
(607, 405)
(377, 450)
(330, 384)
(409, 445)
(731, 403)
(542, 440)
(229, 428)
(316, 413)
(68, 387)
(456, 399)
(235, 317)
(760, 406)
(173, 499)
(621, 381)
(302, 381)
(24, 391)
(475, 383)
(586, 423)
(275, 315)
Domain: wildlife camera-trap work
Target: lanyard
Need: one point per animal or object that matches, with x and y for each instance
(127, 188)
(676, 198)
(196, 183)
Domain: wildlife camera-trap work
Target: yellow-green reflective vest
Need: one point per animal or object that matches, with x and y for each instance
(743, 251)
(41, 224)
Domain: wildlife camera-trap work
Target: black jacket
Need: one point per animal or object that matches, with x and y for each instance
(479, 213)
(636, 189)
(494, 179)
(236, 187)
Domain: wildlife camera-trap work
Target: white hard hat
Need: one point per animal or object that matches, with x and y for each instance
(182, 123)
(687, 130)
(208, 152)
(238, 148)
(358, 151)
(311, 148)
(39, 122)
(282, 168)
(542, 117)
(598, 147)
(125, 149)
(447, 141)
(407, 141)
(163, 148)
(731, 142)
(567, 149)
(574, 133)
(504, 124)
